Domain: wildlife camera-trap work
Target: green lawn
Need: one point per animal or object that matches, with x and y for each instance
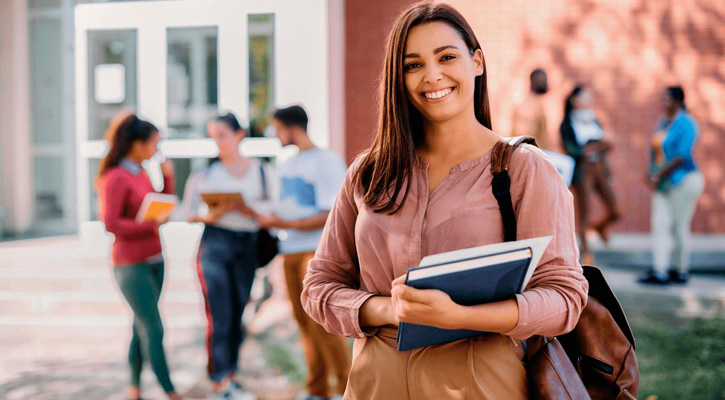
(681, 354)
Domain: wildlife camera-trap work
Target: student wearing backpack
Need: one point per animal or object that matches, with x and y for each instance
(227, 258)
(424, 187)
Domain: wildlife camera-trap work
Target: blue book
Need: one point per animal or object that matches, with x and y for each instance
(473, 276)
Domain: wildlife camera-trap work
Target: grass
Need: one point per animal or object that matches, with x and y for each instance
(680, 357)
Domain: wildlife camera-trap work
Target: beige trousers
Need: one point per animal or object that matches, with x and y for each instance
(488, 367)
(672, 214)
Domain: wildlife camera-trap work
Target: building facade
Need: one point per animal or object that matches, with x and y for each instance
(67, 66)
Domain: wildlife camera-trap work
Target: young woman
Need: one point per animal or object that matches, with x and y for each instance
(138, 264)
(678, 185)
(583, 139)
(227, 258)
(424, 187)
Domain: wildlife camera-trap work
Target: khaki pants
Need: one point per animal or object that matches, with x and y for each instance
(326, 354)
(671, 216)
(488, 367)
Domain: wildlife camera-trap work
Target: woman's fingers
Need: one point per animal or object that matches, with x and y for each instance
(400, 280)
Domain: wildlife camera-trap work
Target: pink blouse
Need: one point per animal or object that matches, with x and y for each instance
(361, 251)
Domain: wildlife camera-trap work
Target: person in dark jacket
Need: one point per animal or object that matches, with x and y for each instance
(583, 139)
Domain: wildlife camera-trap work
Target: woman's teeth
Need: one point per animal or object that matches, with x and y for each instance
(438, 94)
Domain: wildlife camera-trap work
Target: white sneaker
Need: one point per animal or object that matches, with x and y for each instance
(238, 393)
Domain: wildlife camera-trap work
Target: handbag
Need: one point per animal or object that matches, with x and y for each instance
(267, 244)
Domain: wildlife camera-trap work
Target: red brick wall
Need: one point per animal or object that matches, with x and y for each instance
(626, 51)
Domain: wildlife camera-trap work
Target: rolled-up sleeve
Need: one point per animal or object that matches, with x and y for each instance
(331, 294)
(557, 291)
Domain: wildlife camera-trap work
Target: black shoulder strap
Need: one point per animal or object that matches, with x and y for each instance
(501, 185)
(265, 194)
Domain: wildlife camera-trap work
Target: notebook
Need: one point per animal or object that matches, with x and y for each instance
(213, 199)
(471, 276)
(156, 206)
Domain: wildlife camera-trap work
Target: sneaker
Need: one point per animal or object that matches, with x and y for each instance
(653, 277)
(222, 395)
(678, 277)
(238, 392)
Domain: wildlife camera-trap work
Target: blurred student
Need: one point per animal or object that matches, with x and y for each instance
(138, 263)
(677, 185)
(227, 258)
(584, 140)
(310, 181)
(529, 117)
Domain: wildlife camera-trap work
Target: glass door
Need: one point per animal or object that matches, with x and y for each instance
(180, 63)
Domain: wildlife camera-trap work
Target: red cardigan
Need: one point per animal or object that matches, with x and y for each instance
(121, 193)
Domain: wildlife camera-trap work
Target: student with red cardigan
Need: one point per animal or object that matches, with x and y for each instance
(137, 260)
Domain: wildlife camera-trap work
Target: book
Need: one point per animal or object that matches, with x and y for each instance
(213, 199)
(472, 276)
(156, 206)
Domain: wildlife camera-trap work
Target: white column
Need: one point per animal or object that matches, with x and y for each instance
(68, 115)
(336, 65)
(17, 167)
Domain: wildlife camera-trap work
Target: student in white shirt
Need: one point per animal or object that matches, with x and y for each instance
(227, 258)
(310, 182)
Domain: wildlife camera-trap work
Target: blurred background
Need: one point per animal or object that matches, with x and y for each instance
(68, 66)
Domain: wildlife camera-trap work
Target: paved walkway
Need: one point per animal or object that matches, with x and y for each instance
(64, 327)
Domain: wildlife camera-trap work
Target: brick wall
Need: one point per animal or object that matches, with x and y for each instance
(626, 51)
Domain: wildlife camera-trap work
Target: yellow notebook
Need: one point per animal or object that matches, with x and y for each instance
(156, 206)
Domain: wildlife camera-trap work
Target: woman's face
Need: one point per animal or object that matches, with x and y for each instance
(144, 150)
(439, 72)
(225, 138)
(668, 103)
(582, 100)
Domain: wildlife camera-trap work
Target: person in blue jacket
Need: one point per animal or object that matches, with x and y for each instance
(677, 185)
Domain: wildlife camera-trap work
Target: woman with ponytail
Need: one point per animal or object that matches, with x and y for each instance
(137, 260)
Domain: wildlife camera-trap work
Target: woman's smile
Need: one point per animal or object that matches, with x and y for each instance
(437, 96)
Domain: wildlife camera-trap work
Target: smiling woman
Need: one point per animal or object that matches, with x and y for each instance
(405, 199)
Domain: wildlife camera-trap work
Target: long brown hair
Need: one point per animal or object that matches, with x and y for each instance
(385, 168)
(124, 130)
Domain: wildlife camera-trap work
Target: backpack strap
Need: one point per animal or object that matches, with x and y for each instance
(265, 193)
(501, 185)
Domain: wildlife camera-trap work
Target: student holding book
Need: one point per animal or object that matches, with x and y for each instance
(227, 258)
(138, 263)
(424, 187)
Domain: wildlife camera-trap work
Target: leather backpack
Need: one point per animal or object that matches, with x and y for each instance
(596, 360)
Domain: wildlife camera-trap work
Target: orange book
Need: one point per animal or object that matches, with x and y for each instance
(156, 206)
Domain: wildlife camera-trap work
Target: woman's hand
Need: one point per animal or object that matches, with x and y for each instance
(215, 213)
(378, 311)
(167, 168)
(424, 306)
(271, 221)
(653, 181)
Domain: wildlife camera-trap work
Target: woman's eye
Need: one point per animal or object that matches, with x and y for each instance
(411, 66)
(448, 57)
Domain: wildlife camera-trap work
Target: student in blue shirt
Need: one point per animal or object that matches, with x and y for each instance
(310, 182)
(677, 185)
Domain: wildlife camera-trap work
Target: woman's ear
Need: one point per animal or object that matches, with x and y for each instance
(478, 60)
